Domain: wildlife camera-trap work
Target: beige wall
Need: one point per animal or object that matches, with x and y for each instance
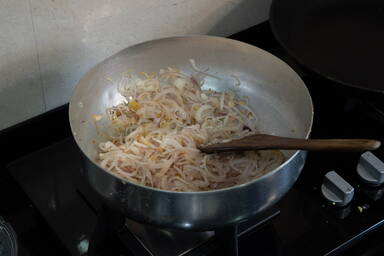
(47, 45)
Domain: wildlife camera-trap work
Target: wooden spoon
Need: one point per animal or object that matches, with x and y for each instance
(264, 141)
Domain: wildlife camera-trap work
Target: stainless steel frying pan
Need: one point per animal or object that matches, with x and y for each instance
(276, 93)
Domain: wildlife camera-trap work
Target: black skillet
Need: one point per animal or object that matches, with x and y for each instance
(340, 40)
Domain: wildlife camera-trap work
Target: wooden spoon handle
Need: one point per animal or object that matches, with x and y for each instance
(263, 141)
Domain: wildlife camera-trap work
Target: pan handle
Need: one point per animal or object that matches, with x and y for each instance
(264, 141)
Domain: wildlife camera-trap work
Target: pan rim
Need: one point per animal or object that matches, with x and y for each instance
(196, 193)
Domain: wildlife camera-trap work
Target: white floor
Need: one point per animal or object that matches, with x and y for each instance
(47, 45)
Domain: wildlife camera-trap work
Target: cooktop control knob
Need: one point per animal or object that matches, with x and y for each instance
(336, 190)
(371, 169)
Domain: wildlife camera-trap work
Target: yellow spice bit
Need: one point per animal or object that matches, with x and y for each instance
(109, 79)
(145, 74)
(126, 74)
(134, 105)
(97, 117)
(360, 209)
(242, 102)
(145, 141)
